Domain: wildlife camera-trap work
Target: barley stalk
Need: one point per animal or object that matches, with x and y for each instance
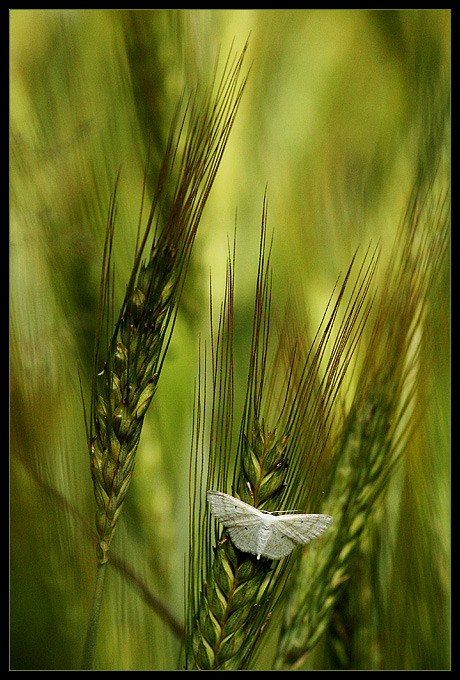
(232, 596)
(135, 351)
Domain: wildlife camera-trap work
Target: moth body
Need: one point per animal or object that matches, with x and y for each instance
(264, 533)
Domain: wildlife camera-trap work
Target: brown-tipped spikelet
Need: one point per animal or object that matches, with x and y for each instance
(128, 383)
(264, 465)
(227, 602)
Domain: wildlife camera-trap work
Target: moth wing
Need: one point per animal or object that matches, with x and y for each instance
(301, 529)
(233, 512)
(245, 538)
(278, 545)
(291, 530)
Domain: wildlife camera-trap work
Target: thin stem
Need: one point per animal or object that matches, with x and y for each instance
(93, 622)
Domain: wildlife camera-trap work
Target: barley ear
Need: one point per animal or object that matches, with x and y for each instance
(226, 624)
(128, 382)
(224, 583)
(377, 427)
(125, 387)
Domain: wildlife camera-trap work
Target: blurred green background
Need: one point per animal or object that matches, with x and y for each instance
(342, 112)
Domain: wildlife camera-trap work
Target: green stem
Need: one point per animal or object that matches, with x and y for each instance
(93, 622)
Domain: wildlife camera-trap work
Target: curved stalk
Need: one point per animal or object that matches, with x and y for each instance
(93, 621)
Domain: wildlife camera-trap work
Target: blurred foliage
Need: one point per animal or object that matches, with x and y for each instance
(344, 112)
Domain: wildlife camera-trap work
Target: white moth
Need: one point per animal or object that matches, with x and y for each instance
(263, 533)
